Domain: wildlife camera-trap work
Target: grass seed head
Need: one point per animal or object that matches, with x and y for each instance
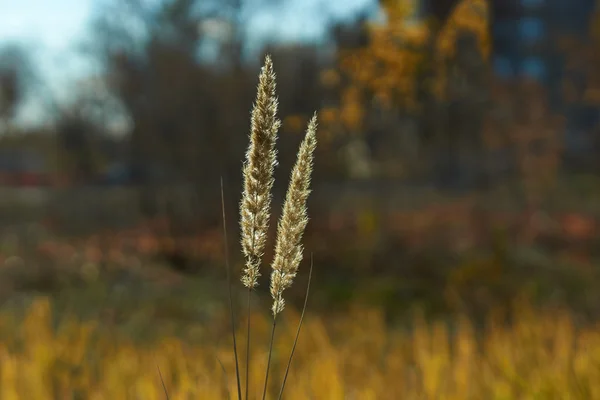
(258, 175)
(288, 249)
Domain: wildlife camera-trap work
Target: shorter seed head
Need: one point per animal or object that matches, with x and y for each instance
(288, 249)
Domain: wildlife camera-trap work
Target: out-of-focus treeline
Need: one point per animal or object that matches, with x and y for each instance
(425, 142)
(410, 96)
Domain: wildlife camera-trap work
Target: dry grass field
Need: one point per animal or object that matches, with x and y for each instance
(536, 356)
(54, 352)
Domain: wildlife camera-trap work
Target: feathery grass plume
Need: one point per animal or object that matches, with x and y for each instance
(255, 207)
(258, 175)
(288, 249)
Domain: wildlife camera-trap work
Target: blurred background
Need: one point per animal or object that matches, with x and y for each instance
(458, 143)
(457, 169)
(457, 164)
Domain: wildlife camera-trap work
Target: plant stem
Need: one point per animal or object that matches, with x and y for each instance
(270, 353)
(287, 370)
(227, 268)
(248, 346)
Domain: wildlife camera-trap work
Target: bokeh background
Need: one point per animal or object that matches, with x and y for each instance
(457, 181)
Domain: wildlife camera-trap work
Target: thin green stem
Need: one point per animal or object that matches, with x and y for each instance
(287, 370)
(248, 345)
(270, 354)
(163, 382)
(228, 269)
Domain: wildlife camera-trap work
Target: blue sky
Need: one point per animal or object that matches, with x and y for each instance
(52, 29)
(49, 29)
(51, 22)
(57, 23)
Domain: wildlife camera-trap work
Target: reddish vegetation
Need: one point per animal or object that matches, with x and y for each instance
(455, 225)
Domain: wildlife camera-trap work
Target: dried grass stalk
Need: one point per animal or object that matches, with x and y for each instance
(258, 175)
(288, 249)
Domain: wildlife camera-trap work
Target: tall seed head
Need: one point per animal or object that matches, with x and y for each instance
(258, 174)
(288, 249)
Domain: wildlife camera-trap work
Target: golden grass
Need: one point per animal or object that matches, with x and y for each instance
(539, 356)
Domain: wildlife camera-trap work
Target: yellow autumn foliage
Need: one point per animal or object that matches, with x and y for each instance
(540, 355)
(390, 68)
(470, 16)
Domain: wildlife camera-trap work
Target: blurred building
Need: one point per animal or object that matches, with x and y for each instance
(525, 33)
(526, 37)
(23, 167)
